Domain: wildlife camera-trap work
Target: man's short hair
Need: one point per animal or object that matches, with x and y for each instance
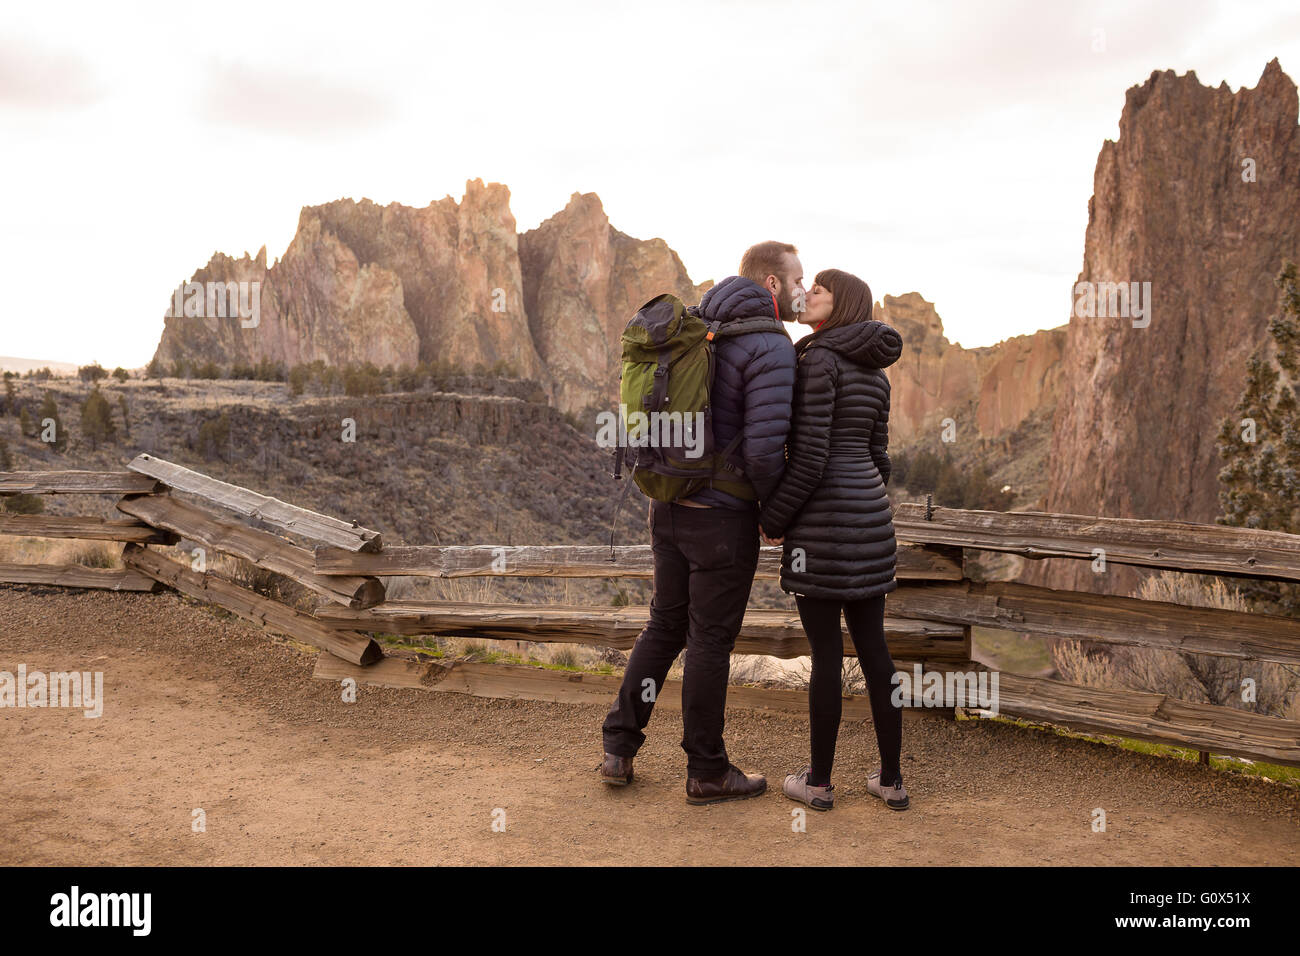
(766, 259)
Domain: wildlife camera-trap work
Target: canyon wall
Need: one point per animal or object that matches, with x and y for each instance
(989, 390)
(1173, 205)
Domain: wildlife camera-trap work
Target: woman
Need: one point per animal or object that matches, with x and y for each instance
(832, 515)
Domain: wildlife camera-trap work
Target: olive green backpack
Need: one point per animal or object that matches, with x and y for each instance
(668, 367)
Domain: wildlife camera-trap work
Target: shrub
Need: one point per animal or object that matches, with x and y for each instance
(17, 504)
(97, 419)
(24, 504)
(565, 656)
(214, 436)
(95, 554)
(49, 412)
(362, 380)
(268, 371)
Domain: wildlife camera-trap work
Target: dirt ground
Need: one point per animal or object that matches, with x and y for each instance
(208, 712)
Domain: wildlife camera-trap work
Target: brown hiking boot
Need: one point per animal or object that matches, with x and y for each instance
(735, 784)
(616, 771)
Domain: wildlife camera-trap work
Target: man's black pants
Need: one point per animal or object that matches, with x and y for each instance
(704, 564)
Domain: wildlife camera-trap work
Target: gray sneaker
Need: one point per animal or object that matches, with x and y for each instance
(895, 797)
(796, 787)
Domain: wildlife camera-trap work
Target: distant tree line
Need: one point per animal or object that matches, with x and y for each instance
(319, 378)
(95, 372)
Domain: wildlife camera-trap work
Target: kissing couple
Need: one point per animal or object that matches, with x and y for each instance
(805, 428)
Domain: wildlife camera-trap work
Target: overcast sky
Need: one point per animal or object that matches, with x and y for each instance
(942, 148)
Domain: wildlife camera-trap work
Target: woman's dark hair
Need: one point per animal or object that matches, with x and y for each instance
(851, 298)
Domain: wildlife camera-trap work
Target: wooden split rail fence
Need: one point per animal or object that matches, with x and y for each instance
(929, 616)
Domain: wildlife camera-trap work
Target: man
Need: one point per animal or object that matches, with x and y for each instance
(706, 546)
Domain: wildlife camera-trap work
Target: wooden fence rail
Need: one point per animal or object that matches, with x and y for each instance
(775, 633)
(76, 483)
(91, 529)
(915, 562)
(260, 509)
(930, 615)
(1173, 545)
(263, 549)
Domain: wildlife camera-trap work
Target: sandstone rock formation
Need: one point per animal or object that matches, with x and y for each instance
(450, 282)
(318, 302)
(989, 390)
(583, 280)
(459, 270)
(1135, 427)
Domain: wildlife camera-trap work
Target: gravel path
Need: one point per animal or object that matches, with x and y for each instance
(204, 711)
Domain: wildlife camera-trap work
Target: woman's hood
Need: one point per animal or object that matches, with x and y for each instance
(871, 344)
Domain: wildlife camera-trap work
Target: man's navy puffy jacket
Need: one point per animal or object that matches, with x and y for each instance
(753, 387)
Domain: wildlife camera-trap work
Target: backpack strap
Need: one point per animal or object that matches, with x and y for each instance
(617, 508)
(727, 462)
(660, 391)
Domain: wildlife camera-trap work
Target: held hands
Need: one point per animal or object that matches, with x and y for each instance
(770, 540)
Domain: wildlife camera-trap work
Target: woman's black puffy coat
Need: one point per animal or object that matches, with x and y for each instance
(831, 505)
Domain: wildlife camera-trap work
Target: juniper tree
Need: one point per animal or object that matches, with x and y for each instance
(1260, 442)
(49, 426)
(17, 504)
(97, 419)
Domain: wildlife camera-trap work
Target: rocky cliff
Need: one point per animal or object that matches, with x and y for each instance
(451, 282)
(583, 280)
(1200, 197)
(988, 390)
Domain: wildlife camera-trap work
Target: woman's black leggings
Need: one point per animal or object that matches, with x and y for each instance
(866, 620)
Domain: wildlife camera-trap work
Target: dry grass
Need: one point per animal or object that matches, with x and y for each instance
(1199, 678)
(90, 554)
